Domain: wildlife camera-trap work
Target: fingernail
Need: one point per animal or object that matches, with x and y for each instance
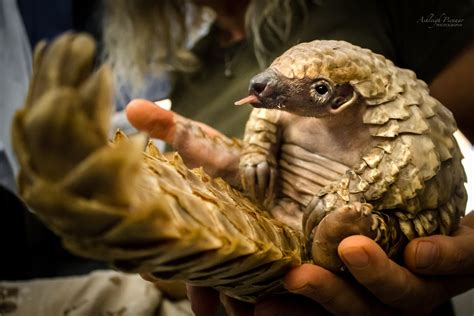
(298, 290)
(300, 287)
(355, 257)
(425, 254)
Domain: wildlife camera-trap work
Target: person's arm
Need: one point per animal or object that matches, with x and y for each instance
(453, 87)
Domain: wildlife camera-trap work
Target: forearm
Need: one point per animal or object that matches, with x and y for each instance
(453, 87)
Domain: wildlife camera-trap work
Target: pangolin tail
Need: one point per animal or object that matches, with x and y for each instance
(137, 210)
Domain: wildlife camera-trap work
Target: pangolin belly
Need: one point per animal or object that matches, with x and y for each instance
(304, 173)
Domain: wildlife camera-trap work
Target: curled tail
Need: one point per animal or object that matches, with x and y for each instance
(137, 210)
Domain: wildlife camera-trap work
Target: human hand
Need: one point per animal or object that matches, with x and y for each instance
(206, 301)
(437, 268)
(198, 144)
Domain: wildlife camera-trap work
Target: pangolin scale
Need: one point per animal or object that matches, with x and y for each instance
(370, 152)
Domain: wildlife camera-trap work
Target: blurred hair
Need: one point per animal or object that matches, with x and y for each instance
(149, 36)
(269, 24)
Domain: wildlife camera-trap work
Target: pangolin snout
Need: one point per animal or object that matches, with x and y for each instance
(262, 90)
(263, 84)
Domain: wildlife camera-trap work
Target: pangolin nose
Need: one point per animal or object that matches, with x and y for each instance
(262, 85)
(257, 87)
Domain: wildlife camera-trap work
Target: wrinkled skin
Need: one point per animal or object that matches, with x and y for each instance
(180, 132)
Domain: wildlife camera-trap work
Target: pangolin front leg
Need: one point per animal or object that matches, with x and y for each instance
(259, 158)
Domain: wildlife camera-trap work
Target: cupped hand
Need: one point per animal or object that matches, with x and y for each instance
(437, 268)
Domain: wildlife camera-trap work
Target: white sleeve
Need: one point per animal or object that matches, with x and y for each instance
(15, 64)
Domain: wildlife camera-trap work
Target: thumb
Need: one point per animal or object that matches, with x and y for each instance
(147, 117)
(442, 255)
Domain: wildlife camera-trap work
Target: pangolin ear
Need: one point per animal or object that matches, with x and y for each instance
(369, 89)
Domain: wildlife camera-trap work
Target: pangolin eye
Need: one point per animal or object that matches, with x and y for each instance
(321, 89)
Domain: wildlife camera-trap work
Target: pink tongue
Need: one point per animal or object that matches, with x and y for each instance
(246, 100)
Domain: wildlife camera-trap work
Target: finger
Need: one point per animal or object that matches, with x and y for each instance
(148, 277)
(236, 308)
(332, 292)
(194, 141)
(204, 301)
(295, 305)
(157, 122)
(147, 117)
(442, 255)
(390, 283)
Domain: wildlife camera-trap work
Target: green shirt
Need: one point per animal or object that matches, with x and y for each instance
(399, 30)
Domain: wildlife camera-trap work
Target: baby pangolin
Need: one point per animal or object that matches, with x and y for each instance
(342, 142)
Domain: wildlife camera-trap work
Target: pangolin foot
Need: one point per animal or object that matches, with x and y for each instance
(352, 219)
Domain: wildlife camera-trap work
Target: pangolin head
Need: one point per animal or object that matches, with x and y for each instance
(320, 78)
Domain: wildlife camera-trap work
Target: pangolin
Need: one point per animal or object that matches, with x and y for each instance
(342, 142)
